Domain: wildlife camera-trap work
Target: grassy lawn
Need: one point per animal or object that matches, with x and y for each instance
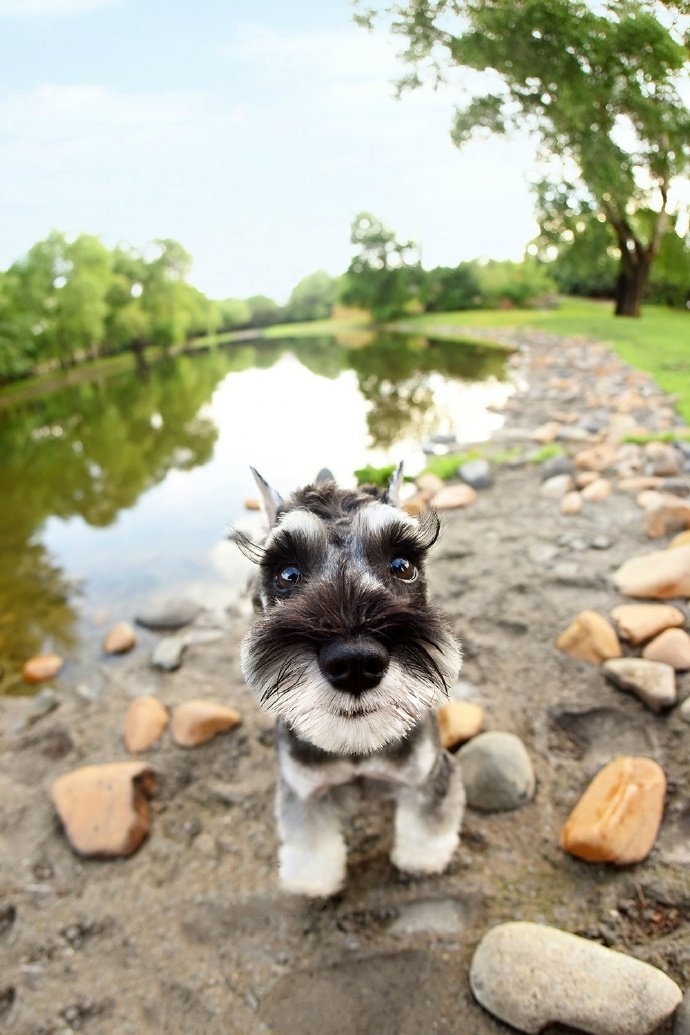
(658, 342)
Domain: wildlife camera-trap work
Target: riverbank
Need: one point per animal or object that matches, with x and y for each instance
(191, 934)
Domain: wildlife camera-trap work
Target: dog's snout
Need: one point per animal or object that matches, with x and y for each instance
(354, 665)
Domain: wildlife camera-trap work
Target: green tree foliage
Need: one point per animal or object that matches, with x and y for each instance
(313, 298)
(263, 311)
(449, 288)
(597, 84)
(234, 313)
(385, 275)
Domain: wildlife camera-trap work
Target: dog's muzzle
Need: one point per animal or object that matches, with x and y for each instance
(355, 664)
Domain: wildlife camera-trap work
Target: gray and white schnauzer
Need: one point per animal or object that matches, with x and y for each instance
(351, 657)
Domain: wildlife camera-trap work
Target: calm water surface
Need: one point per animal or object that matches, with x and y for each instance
(117, 490)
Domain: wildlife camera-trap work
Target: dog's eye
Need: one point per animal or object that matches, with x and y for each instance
(403, 569)
(288, 577)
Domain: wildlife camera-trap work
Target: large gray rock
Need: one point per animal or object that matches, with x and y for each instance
(476, 473)
(531, 976)
(497, 772)
(167, 654)
(653, 682)
(168, 614)
(556, 465)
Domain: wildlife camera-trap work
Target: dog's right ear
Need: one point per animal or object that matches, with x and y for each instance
(270, 498)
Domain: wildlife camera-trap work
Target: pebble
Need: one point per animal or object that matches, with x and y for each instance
(684, 710)
(571, 503)
(40, 667)
(252, 504)
(450, 497)
(672, 647)
(169, 614)
(661, 575)
(661, 459)
(145, 722)
(681, 1022)
(554, 466)
(497, 772)
(443, 916)
(677, 486)
(104, 808)
(682, 539)
(639, 622)
(597, 490)
(639, 483)
(654, 682)
(590, 638)
(459, 721)
(555, 488)
(596, 458)
(167, 654)
(428, 484)
(476, 473)
(617, 818)
(120, 639)
(197, 721)
(546, 433)
(671, 514)
(532, 976)
(42, 704)
(585, 478)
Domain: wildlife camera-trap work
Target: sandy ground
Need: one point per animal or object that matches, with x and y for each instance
(191, 934)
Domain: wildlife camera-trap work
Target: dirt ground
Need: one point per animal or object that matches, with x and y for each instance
(191, 934)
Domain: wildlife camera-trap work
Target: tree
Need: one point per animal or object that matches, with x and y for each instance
(385, 275)
(598, 86)
(313, 297)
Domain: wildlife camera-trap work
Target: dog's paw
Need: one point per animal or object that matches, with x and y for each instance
(427, 857)
(314, 874)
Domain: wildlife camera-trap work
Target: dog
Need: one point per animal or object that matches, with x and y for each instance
(352, 658)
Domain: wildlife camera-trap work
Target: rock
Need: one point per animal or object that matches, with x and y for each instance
(450, 497)
(585, 478)
(671, 514)
(120, 639)
(444, 916)
(459, 721)
(554, 466)
(169, 614)
(676, 486)
(476, 473)
(660, 575)
(429, 484)
(597, 490)
(40, 667)
(661, 459)
(597, 458)
(556, 487)
(590, 638)
(617, 818)
(532, 977)
(684, 710)
(546, 433)
(497, 772)
(145, 722)
(167, 654)
(649, 498)
(104, 808)
(197, 721)
(681, 1022)
(252, 504)
(639, 484)
(571, 503)
(639, 622)
(682, 539)
(42, 704)
(652, 681)
(672, 647)
(415, 506)
(601, 542)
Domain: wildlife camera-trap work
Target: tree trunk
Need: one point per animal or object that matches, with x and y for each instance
(631, 284)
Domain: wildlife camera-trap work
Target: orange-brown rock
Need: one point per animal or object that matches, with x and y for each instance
(584, 478)
(40, 667)
(546, 433)
(649, 498)
(639, 622)
(660, 575)
(571, 503)
(104, 808)
(597, 491)
(617, 818)
(590, 638)
(459, 721)
(682, 539)
(451, 497)
(672, 646)
(428, 484)
(415, 506)
(663, 458)
(639, 483)
(197, 721)
(671, 514)
(146, 721)
(120, 639)
(596, 458)
(252, 504)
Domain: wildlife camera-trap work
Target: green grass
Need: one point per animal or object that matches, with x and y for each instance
(658, 342)
(547, 452)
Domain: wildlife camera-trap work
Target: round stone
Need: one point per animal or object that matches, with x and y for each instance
(497, 772)
(120, 639)
(40, 667)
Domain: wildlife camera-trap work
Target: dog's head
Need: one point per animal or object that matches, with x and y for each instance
(347, 649)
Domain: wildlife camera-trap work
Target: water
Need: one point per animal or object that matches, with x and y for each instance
(120, 488)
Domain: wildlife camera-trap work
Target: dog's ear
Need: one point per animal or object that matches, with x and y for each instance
(270, 498)
(392, 494)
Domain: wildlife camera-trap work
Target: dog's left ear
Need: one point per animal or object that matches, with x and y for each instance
(392, 495)
(271, 499)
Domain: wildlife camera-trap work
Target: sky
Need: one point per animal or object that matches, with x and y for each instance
(251, 133)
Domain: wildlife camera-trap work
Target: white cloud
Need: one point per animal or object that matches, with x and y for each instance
(29, 7)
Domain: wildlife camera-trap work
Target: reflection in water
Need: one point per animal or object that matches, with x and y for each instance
(117, 484)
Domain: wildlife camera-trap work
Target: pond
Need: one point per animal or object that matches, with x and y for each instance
(123, 487)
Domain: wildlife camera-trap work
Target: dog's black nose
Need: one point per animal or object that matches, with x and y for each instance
(354, 665)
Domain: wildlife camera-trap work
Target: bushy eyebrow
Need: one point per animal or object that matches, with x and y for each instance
(299, 535)
(411, 538)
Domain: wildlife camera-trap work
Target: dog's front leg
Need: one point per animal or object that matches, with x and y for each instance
(428, 819)
(312, 854)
